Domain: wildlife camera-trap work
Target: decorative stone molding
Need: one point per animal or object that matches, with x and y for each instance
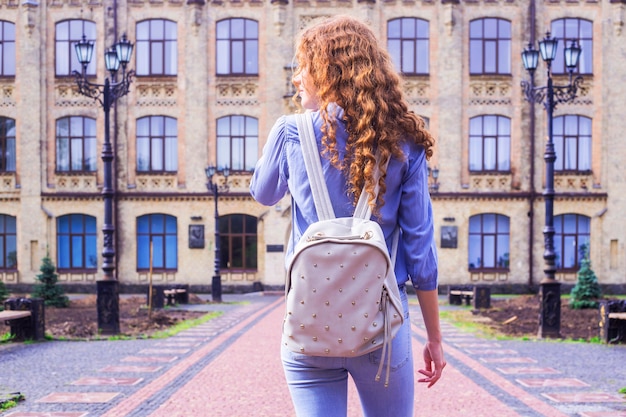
(573, 182)
(489, 276)
(417, 91)
(158, 94)
(80, 277)
(491, 182)
(156, 277)
(238, 183)
(237, 92)
(490, 92)
(9, 277)
(76, 183)
(66, 95)
(7, 182)
(75, 3)
(567, 277)
(156, 182)
(7, 98)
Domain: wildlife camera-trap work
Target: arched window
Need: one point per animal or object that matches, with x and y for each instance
(76, 144)
(162, 231)
(8, 243)
(157, 48)
(572, 143)
(238, 242)
(76, 243)
(490, 46)
(237, 142)
(490, 143)
(408, 45)
(157, 144)
(237, 46)
(7, 49)
(67, 34)
(488, 247)
(568, 30)
(571, 237)
(7, 145)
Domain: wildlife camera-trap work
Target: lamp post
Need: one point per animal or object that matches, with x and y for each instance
(215, 189)
(550, 95)
(106, 94)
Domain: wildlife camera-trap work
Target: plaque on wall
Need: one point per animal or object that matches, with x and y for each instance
(449, 236)
(196, 236)
(275, 248)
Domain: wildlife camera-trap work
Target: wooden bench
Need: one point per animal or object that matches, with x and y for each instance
(479, 294)
(26, 318)
(169, 294)
(613, 321)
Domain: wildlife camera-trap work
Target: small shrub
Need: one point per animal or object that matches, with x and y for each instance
(4, 293)
(587, 291)
(49, 290)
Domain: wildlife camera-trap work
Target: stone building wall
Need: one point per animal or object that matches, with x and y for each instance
(36, 194)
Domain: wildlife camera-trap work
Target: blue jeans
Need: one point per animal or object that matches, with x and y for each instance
(319, 385)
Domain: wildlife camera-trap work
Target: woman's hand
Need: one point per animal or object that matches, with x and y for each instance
(433, 363)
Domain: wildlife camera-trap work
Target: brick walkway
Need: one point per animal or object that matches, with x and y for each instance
(230, 367)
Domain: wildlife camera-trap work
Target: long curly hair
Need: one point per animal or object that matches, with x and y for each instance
(348, 67)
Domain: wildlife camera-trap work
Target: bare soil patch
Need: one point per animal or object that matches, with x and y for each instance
(519, 317)
(80, 319)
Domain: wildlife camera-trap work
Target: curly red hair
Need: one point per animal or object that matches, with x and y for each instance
(348, 67)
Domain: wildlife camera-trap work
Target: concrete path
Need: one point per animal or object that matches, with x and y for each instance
(230, 367)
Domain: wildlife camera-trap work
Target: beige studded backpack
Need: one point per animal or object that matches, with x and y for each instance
(342, 294)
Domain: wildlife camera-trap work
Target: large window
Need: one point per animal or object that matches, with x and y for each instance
(8, 243)
(571, 238)
(238, 242)
(7, 145)
(157, 144)
(237, 47)
(572, 143)
(160, 232)
(490, 46)
(407, 42)
(76, 242)
(237, 142)
(76, 144)
(490, 144)
(488, 242)
(566, 31)
(157, 52)
(68, 33)
(7, 49)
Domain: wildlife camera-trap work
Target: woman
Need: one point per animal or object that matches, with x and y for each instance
(347, 80)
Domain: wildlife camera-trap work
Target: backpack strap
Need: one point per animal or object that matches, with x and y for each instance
(313, 165)
(319, 189)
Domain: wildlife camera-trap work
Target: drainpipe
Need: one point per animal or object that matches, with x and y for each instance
(116, 223)
(532, 14)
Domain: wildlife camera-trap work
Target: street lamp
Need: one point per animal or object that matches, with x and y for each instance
(215, 189)
(106, 94)
(550, 96)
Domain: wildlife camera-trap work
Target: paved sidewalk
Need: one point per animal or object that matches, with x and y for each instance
(230, 367)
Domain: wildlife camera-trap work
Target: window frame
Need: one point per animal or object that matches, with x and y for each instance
(168, 237)
(420, 45)
(562, 29)
(84, 138)
(8, 144)
(500, 46)
(8, 56)
(168, 162)
(228, 243)
(67, 45)
(502, 265)
(561, 236)
(249, 142)
(88, 245)
(501, 145)
(8, 235)
(247, 43)
(563, 136)
(148, 49)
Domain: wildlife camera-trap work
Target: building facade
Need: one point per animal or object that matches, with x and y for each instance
(212, 77)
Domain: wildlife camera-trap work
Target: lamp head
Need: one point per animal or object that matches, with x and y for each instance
(547, 46)
(572, 54)
(530, 58)
(84, 51)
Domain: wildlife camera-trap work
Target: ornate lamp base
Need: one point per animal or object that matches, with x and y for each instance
(108, 299)
(550, 309)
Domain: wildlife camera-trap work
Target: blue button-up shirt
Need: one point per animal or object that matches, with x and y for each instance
(281, 169)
